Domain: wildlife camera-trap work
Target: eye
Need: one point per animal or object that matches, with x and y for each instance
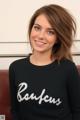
(51, 32)
(37, 28)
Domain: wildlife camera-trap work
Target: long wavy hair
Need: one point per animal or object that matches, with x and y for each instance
(64, 25)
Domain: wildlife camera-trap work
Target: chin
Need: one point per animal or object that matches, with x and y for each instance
(40, 51)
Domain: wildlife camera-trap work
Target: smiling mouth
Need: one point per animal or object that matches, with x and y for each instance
(39, 42)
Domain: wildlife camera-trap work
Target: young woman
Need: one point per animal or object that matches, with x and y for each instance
(46, 85)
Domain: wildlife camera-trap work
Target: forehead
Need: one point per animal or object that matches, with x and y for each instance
(43, 21)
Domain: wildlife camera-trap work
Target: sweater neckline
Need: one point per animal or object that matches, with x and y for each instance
(47, 66)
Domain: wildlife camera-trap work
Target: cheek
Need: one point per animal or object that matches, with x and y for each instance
(33, 34)
(53, 40)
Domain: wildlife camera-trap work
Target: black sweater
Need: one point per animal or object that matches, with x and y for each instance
(49, 92)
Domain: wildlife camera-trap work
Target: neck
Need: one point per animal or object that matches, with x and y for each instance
(40, 59)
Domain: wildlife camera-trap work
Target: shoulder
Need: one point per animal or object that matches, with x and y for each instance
(68, 63)
(69, 66)
(19, 63)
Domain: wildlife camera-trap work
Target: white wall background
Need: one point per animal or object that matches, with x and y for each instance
(14, 19)
(15, 15)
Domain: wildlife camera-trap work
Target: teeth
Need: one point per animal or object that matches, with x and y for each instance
(41, 43)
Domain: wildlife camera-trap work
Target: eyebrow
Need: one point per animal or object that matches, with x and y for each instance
(40, 26)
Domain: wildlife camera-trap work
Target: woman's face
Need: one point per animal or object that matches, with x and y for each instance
(43, 36)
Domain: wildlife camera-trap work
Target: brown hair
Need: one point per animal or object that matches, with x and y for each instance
(64, 25)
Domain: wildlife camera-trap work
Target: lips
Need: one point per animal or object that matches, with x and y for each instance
(39, 42)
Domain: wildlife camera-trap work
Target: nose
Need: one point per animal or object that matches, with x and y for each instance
(41, 34)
